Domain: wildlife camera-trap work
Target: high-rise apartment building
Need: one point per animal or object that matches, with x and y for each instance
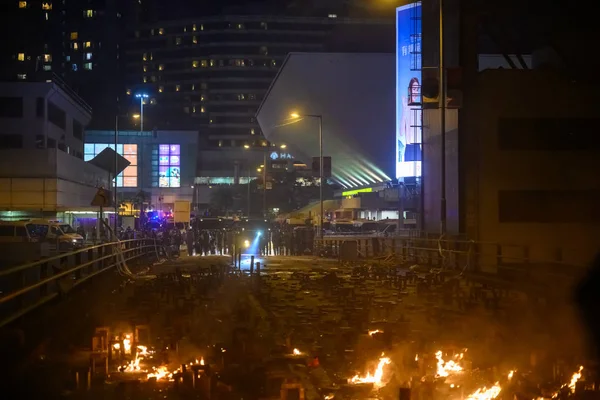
(211, 73)
(76, 40)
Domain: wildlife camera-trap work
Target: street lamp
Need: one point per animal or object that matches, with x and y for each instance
(246, 146)
(141, 96)
(283, 146)
(320, 118)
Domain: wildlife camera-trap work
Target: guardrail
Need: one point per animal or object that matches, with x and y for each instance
(454, 253)
(26, 287)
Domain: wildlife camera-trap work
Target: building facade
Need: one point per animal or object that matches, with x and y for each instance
(77, 41)
(39, 115)
(162, 164)
(212, 73)
(42, 169)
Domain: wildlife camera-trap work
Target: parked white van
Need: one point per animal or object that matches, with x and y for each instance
(38, 230)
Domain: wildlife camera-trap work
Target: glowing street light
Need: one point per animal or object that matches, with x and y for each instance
(295, 115)
(141, 96)
(246, 146)
(283, 146)
(258, 169)
(136, 116)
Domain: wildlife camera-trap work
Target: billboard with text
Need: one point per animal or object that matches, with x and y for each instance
(408, 91)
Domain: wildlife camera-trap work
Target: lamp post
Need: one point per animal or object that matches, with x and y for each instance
(141, 96)
(320, 118)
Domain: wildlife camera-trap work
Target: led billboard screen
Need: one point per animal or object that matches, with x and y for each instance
(127, 178)
(169, 165)
(408, 91)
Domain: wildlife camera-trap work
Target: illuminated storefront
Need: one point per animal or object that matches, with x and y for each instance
(169, 166)
(127, 178)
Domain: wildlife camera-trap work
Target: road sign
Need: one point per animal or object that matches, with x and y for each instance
(103, 198)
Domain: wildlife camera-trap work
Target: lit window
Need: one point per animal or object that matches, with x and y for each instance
(252, 131)
(145, 79)
(88, 66)
(273, 63)
(332, 16)
(47, 67)
(194, 27)
(151, 57)
(161, 89)
(240, 97)
(47, 58)
(74, 35)
(22, 4)
(212, 63)
(240, 26)
(46, 6)
(220, 143)
(128, 92)
(74, 67)
(144, 57)
(193, 87)
(145, 68)
(202, 98)
(202, 109)
(201, 27)
(21, 56)
(88, 13)
(204, 63)
(194, 40)
(195, 64)
(185, 28)
(87, 45)
(88, 56)
(161, 67)
(193, 109)
(67, 58)
(75, 46)
(161, 31)
(22, 76)
(177, 88)
(153, 101)
(46, 16)
(178, 41)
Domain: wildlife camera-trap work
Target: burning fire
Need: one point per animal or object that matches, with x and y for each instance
(485, 393)
(371, 333)
(160, 373)
(576, 376)
(445, 368)
(571, 385)
(511, 374)
(375, 379)
(296, 352)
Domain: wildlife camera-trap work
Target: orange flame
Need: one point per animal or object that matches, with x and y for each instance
(371, 333)
(375, 379)
(485, 393)
(445, 368)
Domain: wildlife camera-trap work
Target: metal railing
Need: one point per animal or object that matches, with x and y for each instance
(513, 261)
(26, 287)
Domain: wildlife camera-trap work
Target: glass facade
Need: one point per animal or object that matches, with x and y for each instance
(168, 165)
(127, 178)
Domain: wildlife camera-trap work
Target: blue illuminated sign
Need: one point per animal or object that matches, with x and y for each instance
(408, 91)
